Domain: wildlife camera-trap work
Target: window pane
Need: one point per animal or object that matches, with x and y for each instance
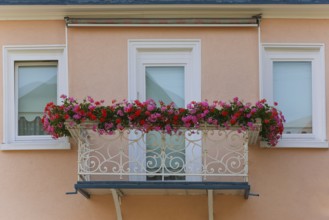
(37, 85)
(293, 91)
(165, 84)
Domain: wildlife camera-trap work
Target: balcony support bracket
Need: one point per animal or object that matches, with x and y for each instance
(210, 204)
(83, 192)
(116, 194)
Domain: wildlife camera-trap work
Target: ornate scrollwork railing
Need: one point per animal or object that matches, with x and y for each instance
(205, 154)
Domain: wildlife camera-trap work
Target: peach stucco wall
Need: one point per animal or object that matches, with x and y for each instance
(99, 61)
(293, 183)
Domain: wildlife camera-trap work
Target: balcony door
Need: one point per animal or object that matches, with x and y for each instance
(166, 71)
(165, 84)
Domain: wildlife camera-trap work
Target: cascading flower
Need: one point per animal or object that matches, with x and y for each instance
(147, 116)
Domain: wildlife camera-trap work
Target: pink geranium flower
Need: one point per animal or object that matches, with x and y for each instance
(167, 118)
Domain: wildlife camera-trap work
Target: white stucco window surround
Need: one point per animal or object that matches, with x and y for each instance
(293, 75)
(168, 70)
(164, 52)
(32, 77)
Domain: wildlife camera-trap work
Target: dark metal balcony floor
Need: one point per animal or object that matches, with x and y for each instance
(88, 188)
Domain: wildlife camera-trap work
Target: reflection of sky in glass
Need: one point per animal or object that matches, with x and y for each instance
(37, 85)
(293, 92)
(165, 84)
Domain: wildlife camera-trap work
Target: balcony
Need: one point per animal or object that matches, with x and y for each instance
(142, 148)
(134, 162)
(131, 160)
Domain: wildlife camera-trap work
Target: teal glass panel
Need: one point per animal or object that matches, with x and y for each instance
(37, 85)
(165, 84)
(293, 91)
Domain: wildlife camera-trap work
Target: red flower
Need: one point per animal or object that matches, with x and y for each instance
(138, 103)
(118, 121)
(104, 113)
(237, 115)
(49, 105)
(138, 113)
(224, 113)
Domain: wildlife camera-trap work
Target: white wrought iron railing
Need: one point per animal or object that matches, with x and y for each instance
(205, 154)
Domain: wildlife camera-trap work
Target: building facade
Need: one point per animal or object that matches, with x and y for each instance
(248, 49)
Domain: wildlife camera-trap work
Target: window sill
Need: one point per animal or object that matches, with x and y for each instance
(297, 143)
(60, 144)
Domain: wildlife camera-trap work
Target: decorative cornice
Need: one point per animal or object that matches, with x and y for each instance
(190, 11)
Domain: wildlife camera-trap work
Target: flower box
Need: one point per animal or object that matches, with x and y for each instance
(148, 116)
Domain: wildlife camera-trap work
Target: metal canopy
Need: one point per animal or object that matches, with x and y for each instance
(163, 22)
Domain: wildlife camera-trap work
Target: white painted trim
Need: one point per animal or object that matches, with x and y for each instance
(297, 143)
(66, 54)
(34, 47)
(260, 59)
(36, 53)
(60, 144)
(313, 52)
(58, 12)
(180, 45)
(183, 52)
(292, 45)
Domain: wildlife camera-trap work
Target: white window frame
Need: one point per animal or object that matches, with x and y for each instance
(142, 53)
(12, 54)
(17, 66)
(313, 53)
(190, 49)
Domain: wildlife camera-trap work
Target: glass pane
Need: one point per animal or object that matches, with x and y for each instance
(165, 84)
(293, 91)
(37, 85)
